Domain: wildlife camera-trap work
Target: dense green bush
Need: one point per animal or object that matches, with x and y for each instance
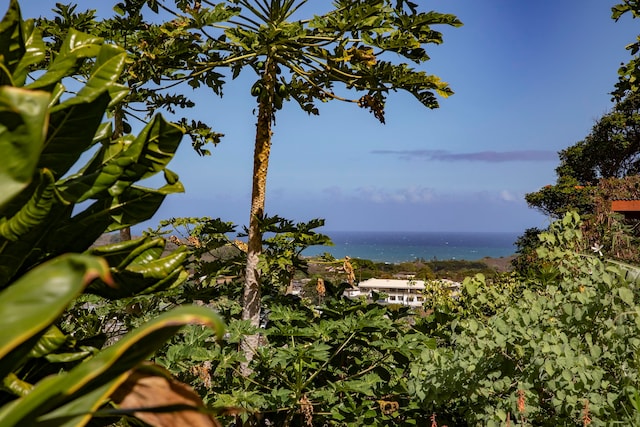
(547, 353)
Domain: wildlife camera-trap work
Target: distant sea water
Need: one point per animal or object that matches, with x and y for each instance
(394, 247)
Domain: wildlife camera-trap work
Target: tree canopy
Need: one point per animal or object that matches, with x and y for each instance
(360, 47)
(629, 73)
(356, 52)
(611, 150)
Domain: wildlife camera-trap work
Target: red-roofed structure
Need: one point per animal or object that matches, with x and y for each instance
(630, 208)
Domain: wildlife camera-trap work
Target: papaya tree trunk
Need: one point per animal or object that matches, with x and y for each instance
(252, 291)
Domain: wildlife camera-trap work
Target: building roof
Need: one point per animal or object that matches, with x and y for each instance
(392, 284)
(628, 207)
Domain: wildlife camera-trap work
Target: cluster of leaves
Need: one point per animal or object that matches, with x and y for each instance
(335, 361)
(159, 57)
(526, 261)
(613, 233)
(591, 174)
(342, 362)
(606, 232)
(611, 150)
(52, 204)
(566, 195)
(549, 349)
(629, 73)
(555, 353)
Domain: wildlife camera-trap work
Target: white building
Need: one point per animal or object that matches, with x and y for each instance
(396, 291)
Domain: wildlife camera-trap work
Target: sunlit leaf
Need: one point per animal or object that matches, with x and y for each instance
(30, 305)
(23, 118)
(106, 367)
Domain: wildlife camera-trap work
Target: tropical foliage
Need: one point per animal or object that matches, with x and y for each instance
(554, 344)
(557, 347)
(562, 351)
(629, 73)
(52, 205)
(611, 150)
(600, 168)
(326, 57)
(159, 57)
(324, 359)
(305, 60)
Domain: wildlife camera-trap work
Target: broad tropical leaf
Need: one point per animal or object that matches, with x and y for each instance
(12, 45)
(115, 171)
(34, 212)
(37, 299)
(152, 387)
(23, 120)
(105, 368)
(139, 268)
(34, 52)
(76, 48)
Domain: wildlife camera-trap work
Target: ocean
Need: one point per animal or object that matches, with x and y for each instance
(394, 247)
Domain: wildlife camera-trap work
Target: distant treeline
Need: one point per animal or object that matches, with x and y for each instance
(420, 268)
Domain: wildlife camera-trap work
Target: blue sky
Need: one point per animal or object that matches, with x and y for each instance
(530, 78)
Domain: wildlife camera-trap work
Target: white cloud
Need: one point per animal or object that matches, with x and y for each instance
(416, 195)
(410, 195)
(508, 196)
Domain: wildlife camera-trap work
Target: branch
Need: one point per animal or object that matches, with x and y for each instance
(325, 364)
(369, 369)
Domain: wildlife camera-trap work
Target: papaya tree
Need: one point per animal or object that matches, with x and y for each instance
(159, 54)
(52, 208)
(357, 53)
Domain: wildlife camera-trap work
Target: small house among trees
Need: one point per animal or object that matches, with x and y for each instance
(630, 208)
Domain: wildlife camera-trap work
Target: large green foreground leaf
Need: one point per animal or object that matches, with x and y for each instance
(29, 306)
(104, 371)
(23, 118)
(139, 268)
(121, 163)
